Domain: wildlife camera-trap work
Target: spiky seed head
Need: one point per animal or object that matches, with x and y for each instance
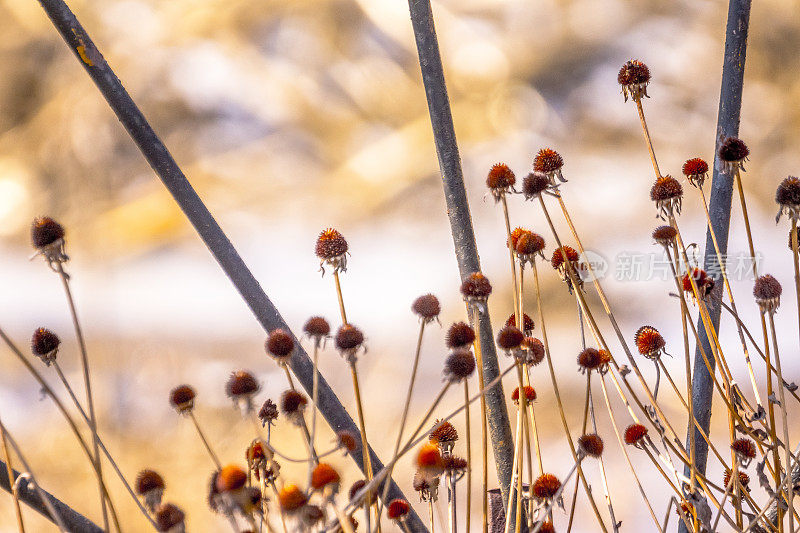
(459, 365)
(557, 259)
(255, 453)
(476, 288)
(182, 398)
(317, 327)
(45, 231)
(733, 150)
(696, 170)
(500, 179)
(788, 198)
(528, 244)
(547, 160)
(349, 338)
(510, 338)
(429, 460)
(534, 351)
(293, 403)
(459, 335)
(242, 384)
(591, 444)
(443, 432)
(356, 487)
(767, 291)
(454, 464)
(546, 486)
(268, 412)
(530, 394)
(148, 480)
(324, 475)
(590, 359)
(427, 307)
(666, 188)
(744, 448)
(44, 345)
(744, 479)
(347, 440)
(511, 242)
(527, 322)
(547, 527)
(634, 434)
(330, 245)
(291, 498)
(634, 77)
(649, 342)
(535, 184)
(705, 284)
(420, 482)
(231, 478)
(280, 345)
(665, 235)
(398, 509)
(168, 516)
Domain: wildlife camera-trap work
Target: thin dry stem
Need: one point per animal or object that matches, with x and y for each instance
(10, 472)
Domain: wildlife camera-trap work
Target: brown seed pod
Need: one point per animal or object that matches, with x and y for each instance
(293, 403)
(280, 345)
(317, 327)
(330, 245)
(534, 351)
(665, 235)
(744, 448)
(547, 527)
(291, 498)
(511, 242)
(443, 432)
(347, 440)
(45, 231)
(528, 245)
(733, 150)
(696, 170)
(649, 342)
(168, 516)
(590, 359)
(509, 338)
(182, 398)
(454, 464)
(634, 434)
(356, 487)
(256, 453)
(268, 412)
(557, 259)
(591, 444)
(398, 509)
(148, 480)
(744, 479)
(705, 284)
(349, 339)
(530, 394)
(788, 198)
(527, 322)
(325, 476)
(535, 184)
(634, 77)
(767, 291)
(476, 288)
(459, 335)
(546, 486)
(231, 478)
(500, 180)
(427, 307)
(459, 365)
(547, 160)
(44, 345)
(667, 193)
(242, 384)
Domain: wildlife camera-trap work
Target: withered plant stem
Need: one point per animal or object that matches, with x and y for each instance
(204, 440)
(549, 505)
(733, 481)
(796, 262)
(315, 394)
(304, 427)
(339, 296)
(601, 464)
(87, 382)
(585, 413)
(647, 138)
(517, 292)
(783, 409)
(363, 430)
(475, 322)
(10, 472)
(280, 509)
(690, 404)
(468, 436)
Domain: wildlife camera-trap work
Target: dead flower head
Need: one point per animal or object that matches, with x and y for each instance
(317, 329)
(696, 170)
(549, 163)
(268, 412)
(182, 398)
(242, 387)
(510, 339)
(280, 345)
(787, 196)
(649, 342)
(459, 365)
(44, 345)
(767, 291)
(293, 404)
(704, 282)
(591, 444)
(331, 249)
(633, 77)
(349, 340)
(427, 307)
(546, 487)
(170, 518)
(535, 184)
(47, 236)
(530, 395)
(527, 323)
(460, 335)
(500, 180)
(476, 289)
(635, 435)
(665, 235)
(150, 487)
(667, 193)
(732, 153)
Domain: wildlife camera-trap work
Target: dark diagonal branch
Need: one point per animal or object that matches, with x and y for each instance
(204, 223)
(461, 223)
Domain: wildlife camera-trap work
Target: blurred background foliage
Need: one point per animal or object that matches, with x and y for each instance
(291, 116)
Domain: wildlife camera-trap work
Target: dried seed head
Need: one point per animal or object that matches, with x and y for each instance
(509, 338)
(534, 351)
(459, 335)
(348, 340)
(788, 197)
(500, 180)
(546, 486)
(705, 284)
(268, 412)
(535, 184)
(733, 153)
(744, 479)
(347, 440)
(317, 328)
(454, 464)
(427, 307)
(45, 231)
(280, 345)
(169, 516)
(291, 498)
(547, 160)
(148, 480)
(744, 448)
(476, 288)
(182, 398)
(459, 365)
(767, 291)
(634, 77)
(696, 170)
(649, 342)
(292, 404)
(231, 478)
(557, 259)
(547, 527)
(242, 384)
(443, 432)
(511, 242)
(527, 322)
(330, 244)
(665, 235)
(428, 488)
(356, 487)
(634, 434)
(667, 193)
(530, 395)
(591, 444)
(325, 476)
(256, 453)
(590, 359)
(429, 460)
(398, 509)
(44, 345)
(529, 246)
